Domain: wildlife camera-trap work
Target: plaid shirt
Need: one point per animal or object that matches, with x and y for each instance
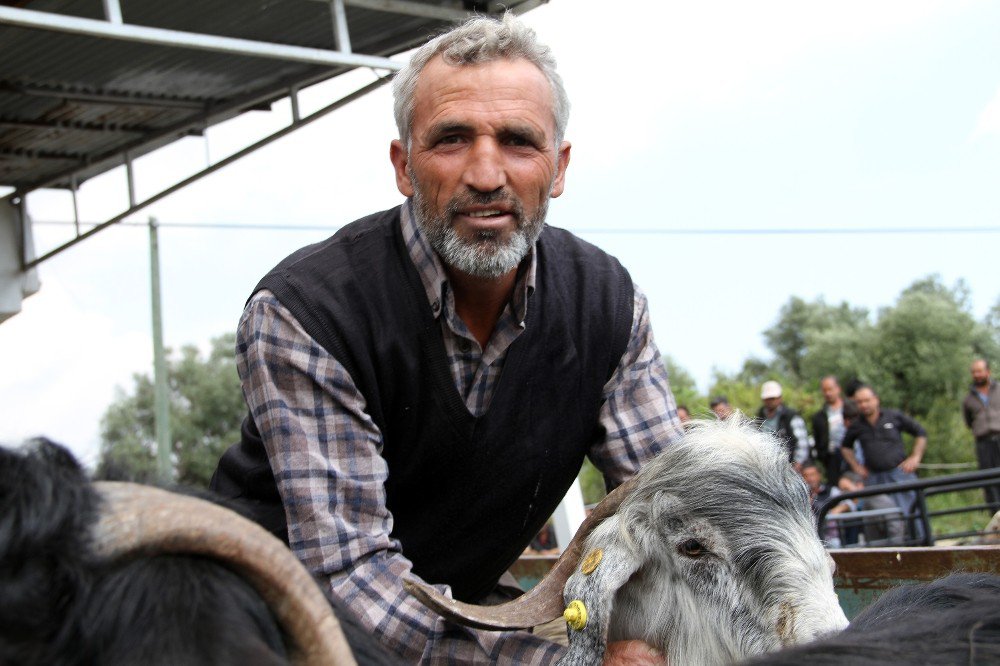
(324, 450)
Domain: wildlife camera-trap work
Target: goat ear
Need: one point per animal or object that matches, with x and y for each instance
(590, 592)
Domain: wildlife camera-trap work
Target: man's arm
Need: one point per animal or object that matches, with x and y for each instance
(638, 418)
(324, 452)
(912, 461)
(801, 441)
(967, 413)
(847, 451)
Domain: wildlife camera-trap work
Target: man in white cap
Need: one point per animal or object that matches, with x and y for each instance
(784, 422)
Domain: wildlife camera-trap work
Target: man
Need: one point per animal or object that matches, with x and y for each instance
(879, 431)
(828, 429)
(786, 424)
(819, 493)
(427, 382)
(720, 407)
(981, 409)
(683, 414)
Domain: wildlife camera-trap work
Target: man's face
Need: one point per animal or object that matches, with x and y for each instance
(812, 478)
(980, 373)
(482, 161)
(771, 404)
(831, 390)
(722, 410)
(848, 486)
(867, 402)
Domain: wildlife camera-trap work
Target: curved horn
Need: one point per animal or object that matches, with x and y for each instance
(544, 602)
(140, 519)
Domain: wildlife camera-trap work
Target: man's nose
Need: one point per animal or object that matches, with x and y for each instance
(485, 171)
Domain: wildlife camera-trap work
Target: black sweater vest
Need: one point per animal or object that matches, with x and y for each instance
(466, 494)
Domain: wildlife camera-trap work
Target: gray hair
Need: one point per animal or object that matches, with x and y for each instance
(480, 40)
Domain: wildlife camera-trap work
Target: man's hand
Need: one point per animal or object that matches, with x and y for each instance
(633, 653)
(910, 464)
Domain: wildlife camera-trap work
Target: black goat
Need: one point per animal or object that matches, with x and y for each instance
(65, 600)
(954, 620)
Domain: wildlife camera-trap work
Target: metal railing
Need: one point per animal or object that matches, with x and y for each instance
(917, 528)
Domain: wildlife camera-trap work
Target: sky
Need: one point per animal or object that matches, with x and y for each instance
(731, 155)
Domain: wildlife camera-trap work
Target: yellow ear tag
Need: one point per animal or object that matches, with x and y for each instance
(591, 561)
(576, 615)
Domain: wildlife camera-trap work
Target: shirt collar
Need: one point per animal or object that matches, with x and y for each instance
(435, 279)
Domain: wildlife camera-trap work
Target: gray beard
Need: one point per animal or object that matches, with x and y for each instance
(487, 255)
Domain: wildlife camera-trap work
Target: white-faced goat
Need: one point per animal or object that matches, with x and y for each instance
(710, 554)
(117, 573)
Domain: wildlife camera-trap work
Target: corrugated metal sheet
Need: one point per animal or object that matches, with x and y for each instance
(68, 101)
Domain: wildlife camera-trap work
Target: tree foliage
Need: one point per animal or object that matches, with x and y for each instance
(206, 409)
(915, 353)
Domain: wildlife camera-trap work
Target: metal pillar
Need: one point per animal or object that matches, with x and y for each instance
(161, 399)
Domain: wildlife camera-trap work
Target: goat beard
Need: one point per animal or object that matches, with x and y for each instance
(488, 255)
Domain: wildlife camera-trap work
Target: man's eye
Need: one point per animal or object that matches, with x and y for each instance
(518, 141)
(450, 139)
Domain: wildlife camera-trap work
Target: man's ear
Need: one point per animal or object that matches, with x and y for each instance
(400, 159)
(562, 161)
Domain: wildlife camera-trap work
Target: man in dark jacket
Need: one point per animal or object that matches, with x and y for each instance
(785, 423)
(981, 409)
(879, 432)
(829, 428)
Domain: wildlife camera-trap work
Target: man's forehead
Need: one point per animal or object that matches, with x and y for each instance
(515, 83)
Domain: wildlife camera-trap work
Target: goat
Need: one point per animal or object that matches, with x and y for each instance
(710, 554)
(117, 573)
(954, 620)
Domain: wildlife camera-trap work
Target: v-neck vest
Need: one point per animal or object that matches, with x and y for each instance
(466, 493)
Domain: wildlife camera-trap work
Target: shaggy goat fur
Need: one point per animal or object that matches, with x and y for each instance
(714, 556)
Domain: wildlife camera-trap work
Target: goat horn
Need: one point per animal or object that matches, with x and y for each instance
(544, 602)
(139, 519)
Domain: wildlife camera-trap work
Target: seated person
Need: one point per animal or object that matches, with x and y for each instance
(877, 529)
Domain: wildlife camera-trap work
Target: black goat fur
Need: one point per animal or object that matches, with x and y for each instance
(950, 621)
(60, 604)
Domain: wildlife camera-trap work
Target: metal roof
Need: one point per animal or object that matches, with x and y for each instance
(86, 85)
(90, 85)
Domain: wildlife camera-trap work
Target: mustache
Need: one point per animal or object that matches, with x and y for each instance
(475, 198)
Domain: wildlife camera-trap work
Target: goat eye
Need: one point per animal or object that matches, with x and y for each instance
(692, 548)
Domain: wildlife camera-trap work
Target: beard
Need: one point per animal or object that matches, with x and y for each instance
(489, 253)
(981, 381)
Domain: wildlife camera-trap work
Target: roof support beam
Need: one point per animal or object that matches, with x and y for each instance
(27, 18)
(137, 206)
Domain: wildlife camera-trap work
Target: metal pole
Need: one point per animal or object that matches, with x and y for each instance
(161, 399)
(341, 35)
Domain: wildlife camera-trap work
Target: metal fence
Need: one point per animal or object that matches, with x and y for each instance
(910, 525)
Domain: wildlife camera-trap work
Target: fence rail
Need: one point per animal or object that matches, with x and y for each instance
(918, 529)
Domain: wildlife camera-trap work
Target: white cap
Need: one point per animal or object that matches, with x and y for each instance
(770, 389)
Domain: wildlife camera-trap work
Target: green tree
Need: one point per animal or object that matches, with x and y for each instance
(685, 389)
(206, 410)
(800, 325)
(922, 346)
